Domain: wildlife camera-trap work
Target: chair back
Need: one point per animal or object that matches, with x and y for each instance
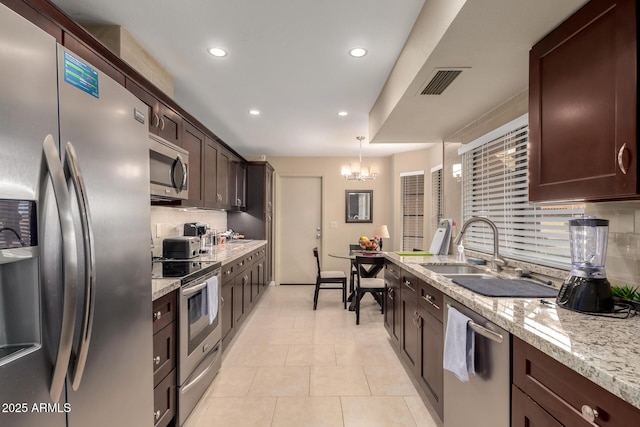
(354, 248)
(368, 260)
(315, 254)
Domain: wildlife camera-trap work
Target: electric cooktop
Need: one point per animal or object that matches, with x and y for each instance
(183, 269)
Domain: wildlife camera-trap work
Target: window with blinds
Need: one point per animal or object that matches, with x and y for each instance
(412, 187)
(436, 196)
(495, 186)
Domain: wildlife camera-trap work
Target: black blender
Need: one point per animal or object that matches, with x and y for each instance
(587, 289)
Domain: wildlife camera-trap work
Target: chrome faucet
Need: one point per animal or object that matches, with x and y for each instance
(498, 260)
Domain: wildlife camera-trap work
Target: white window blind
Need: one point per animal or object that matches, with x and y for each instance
(412, 187)
(495, 186)
(436, 196)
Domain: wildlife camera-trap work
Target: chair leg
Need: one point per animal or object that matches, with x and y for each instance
(358, 297)
(344, 292)
(315, 294)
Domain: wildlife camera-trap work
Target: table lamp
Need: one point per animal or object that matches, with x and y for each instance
(383, 232)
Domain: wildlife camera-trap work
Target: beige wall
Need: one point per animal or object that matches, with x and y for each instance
(337, 239)
(409, 162)
(386, 197)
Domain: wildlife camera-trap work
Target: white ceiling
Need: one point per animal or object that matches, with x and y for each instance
(288, 58)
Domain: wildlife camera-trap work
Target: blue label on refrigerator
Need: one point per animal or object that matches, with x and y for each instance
(80, 75)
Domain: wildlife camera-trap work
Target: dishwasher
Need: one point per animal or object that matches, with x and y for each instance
(484, 400)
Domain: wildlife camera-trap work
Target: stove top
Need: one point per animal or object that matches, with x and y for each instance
(183, 269)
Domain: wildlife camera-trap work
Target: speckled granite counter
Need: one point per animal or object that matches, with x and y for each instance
(224, 253)
(604, 350)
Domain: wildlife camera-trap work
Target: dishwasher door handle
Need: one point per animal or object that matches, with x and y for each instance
(489, 334)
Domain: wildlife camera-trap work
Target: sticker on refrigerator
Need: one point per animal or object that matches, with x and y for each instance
(80, 75)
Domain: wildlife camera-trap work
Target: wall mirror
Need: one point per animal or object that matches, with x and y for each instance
(359, 206)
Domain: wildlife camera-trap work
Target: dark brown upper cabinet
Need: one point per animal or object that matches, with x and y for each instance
(582, 106)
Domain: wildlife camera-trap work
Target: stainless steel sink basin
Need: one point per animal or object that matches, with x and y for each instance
(454, 269)
(232, 241)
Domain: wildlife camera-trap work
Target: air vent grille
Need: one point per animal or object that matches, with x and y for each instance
(440, 81)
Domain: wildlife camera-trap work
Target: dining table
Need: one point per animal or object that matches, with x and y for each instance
(371, 271)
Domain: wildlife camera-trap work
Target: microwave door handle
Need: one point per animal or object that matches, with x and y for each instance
(70, 266)
(78, 364)
(180, 163)
(194, 289)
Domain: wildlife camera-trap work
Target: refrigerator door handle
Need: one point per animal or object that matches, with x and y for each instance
(78, 364)
(70, 266)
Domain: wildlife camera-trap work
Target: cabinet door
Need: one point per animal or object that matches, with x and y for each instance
(431, 345)
(240, 284)
(269, 249)
(164, 352)
(170, 126)
(268, 188)
(527, 413)
(210, 174)
(227, 320)
(409, 334)
(582, 106)
(164, 401)
(241, 185)
(193, 141)
(222, 175)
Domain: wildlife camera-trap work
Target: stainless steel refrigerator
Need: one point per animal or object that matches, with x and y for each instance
(75, 293)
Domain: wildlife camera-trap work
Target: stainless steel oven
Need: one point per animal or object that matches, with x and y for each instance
(199, 337)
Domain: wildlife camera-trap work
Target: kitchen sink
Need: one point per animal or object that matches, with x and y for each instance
(470, 276)
(233, 241)
(454, 269)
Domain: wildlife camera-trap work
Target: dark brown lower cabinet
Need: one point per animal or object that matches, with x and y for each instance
(164, 359)
(227, 319)
(563, 394)
(392, 300)
(429, 367)
(409, 337)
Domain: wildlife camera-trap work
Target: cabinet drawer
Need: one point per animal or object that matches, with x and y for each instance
(431, 299)
(164, 352)
(527, 413)
(562, 392)
(164, 311)
(392, 272)
(164, 401)
(409, 286)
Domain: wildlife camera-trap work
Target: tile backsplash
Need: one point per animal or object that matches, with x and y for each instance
(623, 251)
(168, 222)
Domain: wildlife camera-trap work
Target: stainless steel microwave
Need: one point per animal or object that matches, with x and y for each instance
(168, 170)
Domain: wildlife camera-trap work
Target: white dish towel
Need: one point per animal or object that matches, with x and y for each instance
(212, 298)
(459, 345)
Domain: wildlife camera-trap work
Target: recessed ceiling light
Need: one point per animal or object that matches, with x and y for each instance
(254, 112)
(217, 52)
(343, 113)
(358, 52)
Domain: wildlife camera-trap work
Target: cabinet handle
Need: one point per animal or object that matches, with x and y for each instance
(156, 120)
(408, 285)
(156, 360)
(623, 169)
(219, 197)
(161, 123)
(430, 299)
(390, 292)
(222, 301)
(156, 415)
(157, 315)
(589, 414)
(419, 322)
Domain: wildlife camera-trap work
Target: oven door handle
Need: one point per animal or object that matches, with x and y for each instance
(194, 289)
(184, 389)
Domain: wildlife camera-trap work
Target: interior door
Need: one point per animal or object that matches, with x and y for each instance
(300, 229)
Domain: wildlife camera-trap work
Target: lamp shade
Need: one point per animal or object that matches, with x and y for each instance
(382, 231)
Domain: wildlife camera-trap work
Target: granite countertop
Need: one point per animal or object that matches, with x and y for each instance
(604, 350)
(224, 253)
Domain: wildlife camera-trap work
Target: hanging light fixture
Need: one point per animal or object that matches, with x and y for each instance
(358, 172)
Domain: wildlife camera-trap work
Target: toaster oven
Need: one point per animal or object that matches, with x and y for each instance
(181, 247)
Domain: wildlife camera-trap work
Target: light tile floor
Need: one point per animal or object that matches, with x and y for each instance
(291, 366)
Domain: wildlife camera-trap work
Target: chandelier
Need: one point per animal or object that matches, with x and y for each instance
(358, 172)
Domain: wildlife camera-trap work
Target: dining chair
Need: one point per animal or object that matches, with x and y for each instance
(329, 277)
(353, 272)
(373, 285)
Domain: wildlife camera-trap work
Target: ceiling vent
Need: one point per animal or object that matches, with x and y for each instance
(440, 80)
